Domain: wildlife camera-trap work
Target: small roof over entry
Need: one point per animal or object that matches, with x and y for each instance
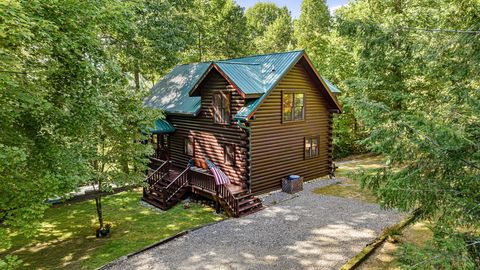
(162, 127)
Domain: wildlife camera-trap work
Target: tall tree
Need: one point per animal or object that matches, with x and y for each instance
(217, 29)
(312, 30)
(64, 101)
(416, 91)
(270, 27)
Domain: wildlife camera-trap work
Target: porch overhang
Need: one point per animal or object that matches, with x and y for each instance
(162, 127)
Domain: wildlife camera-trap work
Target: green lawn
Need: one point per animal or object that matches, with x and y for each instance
(348, 187)
(384, 257)
(67, 237)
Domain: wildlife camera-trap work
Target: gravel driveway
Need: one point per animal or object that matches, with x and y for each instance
(303, 231)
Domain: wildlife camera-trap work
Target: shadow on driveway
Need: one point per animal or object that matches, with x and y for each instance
(308, 231)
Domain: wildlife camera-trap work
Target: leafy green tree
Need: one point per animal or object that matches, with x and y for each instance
(217, 30)
(148, 37)
(66, 107)
(270, 27)
(416, 92)
(312, 30)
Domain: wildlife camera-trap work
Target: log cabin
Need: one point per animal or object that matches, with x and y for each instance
(258, 118)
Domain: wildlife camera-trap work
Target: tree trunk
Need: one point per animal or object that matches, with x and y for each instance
(98, 204)
(137, 76)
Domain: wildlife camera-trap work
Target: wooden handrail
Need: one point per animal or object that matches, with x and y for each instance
(222, 192)
(157, 174)
(228, 197)
(180, 181)
(196, 180)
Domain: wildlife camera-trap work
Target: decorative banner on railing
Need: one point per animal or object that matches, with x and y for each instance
(220, 177)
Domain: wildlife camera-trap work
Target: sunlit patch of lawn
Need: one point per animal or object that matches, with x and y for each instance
(349, 187)
(67, 236)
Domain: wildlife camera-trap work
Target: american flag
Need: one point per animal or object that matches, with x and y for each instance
(219, 175)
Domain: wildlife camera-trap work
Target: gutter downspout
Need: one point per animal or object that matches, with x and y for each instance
(249, 153)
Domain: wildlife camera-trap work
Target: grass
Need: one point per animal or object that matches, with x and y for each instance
(67, 235)
(384, 257)
(350, 188)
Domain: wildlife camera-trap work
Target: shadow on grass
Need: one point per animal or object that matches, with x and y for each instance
(67, 234)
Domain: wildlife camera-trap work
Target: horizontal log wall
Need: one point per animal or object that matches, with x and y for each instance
(209, 137)
(278, 148)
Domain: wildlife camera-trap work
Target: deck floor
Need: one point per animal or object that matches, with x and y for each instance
(175, 171)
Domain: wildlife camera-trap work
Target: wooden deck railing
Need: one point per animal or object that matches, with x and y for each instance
(202, 180)
(176, 185)
(196, 179)
(224, 193)
(206, 182)
(154, 176)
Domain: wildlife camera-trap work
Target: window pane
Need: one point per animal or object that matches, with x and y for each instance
(189, 146)
(298, 113)
(299, 99)
(299, 106)
(226, 107)
(287, 106)
(216, 100)
(307, 147)
(314, 147)
(229, 151)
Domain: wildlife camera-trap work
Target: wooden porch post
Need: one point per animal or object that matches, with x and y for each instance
(158, 144)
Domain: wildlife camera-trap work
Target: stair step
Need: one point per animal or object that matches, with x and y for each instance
(155, 203)
(155, 198)
(243, 196)
(248, 206)
(253, 210)
(247, 200)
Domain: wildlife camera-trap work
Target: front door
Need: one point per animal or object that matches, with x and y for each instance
(161, 144)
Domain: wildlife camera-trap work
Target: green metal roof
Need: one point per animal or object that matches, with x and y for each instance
(247, 77)
(331, 87)
(171, 93)
(254, 76)
(162, 127)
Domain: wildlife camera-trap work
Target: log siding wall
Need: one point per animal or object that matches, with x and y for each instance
(278, 148)
(210, 138)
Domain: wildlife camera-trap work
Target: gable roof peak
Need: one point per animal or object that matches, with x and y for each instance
(253, 77)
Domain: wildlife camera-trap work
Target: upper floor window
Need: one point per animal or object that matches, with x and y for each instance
(293, 106)
(221, 107)
(229, 153)
(189, 146)
(311, 147)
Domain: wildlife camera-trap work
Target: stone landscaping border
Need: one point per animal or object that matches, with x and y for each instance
(370, 248)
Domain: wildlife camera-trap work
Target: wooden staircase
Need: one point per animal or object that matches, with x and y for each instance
(167, 186)
(248, 204)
